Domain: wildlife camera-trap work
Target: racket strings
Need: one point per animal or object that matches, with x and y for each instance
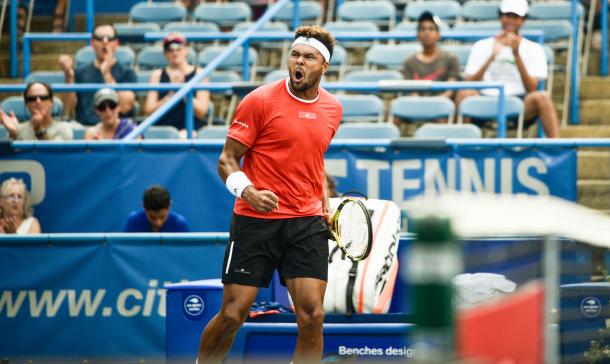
(353, 229)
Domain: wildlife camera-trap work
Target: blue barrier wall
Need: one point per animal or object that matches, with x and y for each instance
(82, 187)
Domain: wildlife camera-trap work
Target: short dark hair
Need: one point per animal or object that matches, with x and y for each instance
(29, 86)
(156, 198)
(104, 25)
(427, 16)
(319, 33)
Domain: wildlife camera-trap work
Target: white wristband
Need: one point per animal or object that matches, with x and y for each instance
(237, 183)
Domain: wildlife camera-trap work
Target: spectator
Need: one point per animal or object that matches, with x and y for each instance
(111, 126)
(156, 216)
(432, 63)
(15, 209)
(517, 62)
(59, 16)
(178, 70)
(104, 69)
(38, 98)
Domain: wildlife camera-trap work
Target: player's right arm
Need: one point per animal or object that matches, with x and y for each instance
(228, 163)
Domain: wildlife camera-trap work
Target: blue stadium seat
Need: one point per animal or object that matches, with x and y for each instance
(46, 77)
(445, 131)
(373, 75)
(223, 14)
(152, 57)
(224, 76)
(310, 12)
(381, 12)
(16, 104)
(186, 27)
(85, 55)
(363, 26)
(411, 27)
(233, 62)
(338, 61)
(143, 76)
(367, 131)
(461, 51)
(555, 31)
(447, 10)
(422, 108)
(478, 10)
(134, 32)
(486, 108)
(160, 13)
(361, 108)
(213, 132)
(490, 26)
(3, 133)
(390, 56)
(78, 132)
(553, 10)
(275, 75)
(161, 132)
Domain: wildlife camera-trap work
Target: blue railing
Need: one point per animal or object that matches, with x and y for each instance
(372, 87)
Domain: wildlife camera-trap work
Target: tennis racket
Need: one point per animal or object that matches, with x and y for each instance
(352, 229)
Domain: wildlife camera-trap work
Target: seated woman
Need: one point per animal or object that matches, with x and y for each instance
(16, 210)
(106, 103)
(38, 98)
(178, 70)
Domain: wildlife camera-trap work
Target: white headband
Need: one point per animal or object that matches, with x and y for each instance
(313, 42)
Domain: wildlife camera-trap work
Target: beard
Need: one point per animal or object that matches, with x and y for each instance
(304, 86)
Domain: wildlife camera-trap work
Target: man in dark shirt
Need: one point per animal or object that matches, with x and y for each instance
(156, 217)
(104, 69)
(432, 63)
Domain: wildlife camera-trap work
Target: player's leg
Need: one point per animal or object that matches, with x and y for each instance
(218, 335)
(308, 298)
(304, 269)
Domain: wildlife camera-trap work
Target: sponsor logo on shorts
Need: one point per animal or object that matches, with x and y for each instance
(241, 271)
(307, 115)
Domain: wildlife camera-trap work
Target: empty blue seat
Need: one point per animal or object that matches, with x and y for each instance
(480, 26)
(3, 133)
(478, 10)
(223, 14)
(78, 133)
(16, 104)
(160, 13)
(381, 12)
(161, 132)
(446, 131)
(186, 27)
(224, 76)
(310, 12)
(275, 75)
(367, 131)
(361, 108)
(152, 57)
(390, 56)
(486, 108)
(123, 54)
(46, 77)
(213, 132)
(233, 62)
(553, 10)
(448, 10)
(373, 75)
(422, 108)
(134, 32)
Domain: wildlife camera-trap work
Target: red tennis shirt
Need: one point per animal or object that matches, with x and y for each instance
(286, 139)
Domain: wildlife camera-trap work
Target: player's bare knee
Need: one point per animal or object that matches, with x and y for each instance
(231, 318)
(312, 318)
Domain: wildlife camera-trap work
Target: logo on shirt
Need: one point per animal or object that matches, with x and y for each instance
(307, 115)
(241, 123)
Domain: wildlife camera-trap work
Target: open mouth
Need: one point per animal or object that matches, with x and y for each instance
(298, 75)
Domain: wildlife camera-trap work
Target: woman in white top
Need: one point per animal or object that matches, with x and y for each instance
(15, 209)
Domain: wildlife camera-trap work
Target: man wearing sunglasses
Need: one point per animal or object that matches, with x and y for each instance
(104, 69)
(111, 126)
(38, 98)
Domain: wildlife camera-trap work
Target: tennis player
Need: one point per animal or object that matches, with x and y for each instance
(282, 131)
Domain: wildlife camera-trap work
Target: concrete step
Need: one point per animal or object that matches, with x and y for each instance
(595, 112)
(594, 194)
(593, 165)
(585, 131)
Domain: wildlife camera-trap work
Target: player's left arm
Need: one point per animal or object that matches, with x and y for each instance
(326, 204)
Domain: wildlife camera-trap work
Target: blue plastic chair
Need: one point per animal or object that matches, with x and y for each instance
(161, 132)
(186, 27)
(85, 55)
(3, 133)
(553, 10)
(275, 75)
(224, 76)
(213, 132)
(373, 75)
(477, 10)
(16, 104)
(390, 56)
(152, 57)
(233, 62)
(223, 14)
(422, 108)
(367, 131)
(134, 32)
(447, 10)
(310, 12)
(446, 131)
(361, 108)
(461, 51)
(381, 12)
(490, 26)
(46, 77)
(486, 108)
(78, 133)
(160, 13)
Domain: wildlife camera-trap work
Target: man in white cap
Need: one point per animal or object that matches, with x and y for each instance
(281, 214)
(517, 62)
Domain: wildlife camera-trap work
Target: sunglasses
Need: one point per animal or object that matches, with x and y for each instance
(33, 98)
(110, 105)
(102, 38)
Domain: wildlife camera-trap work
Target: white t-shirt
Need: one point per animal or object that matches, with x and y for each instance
(503, 68)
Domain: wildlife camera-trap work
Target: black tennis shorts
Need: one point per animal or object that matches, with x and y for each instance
(297, 247)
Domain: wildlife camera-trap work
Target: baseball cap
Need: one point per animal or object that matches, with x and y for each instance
(174, 38)
(519, 7)
(105, 94)
(428, 16)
